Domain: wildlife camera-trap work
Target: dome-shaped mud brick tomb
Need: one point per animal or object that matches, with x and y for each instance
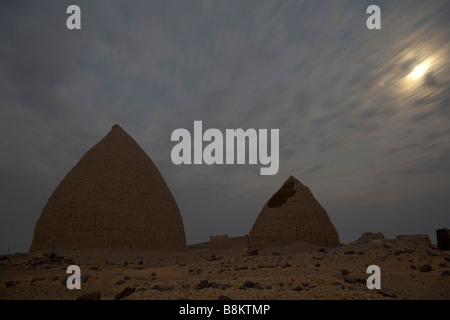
(113, 198)
(293, 215)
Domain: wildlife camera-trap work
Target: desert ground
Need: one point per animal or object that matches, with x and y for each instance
(410, 269)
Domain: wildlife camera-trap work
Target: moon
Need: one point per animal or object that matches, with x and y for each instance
(419, 71)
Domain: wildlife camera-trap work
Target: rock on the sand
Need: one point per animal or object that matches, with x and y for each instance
(345, 272)
(349, 280)
(124, 293)
(425, 268)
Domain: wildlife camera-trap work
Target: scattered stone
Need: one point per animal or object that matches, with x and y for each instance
(64, 281)
(269, 288)
(258, 286)
(214, 258)
(55, 278)
(35, 279)
(248, 284)
(224, 298)
(125, 263)
(202, 285)
(120, 282)
(11, 283)
(2, 258)
(124, 293)
(305, 284)
(154, 274)
(409, 250)
(276, 253)
(317, 265)
(359, 280)
(345, 272)
(322, 250)
(446, 273)
(281, 284)
(349, 280)
(413, 267)
(298, 288)
(48, 258)
(425, 268)
(396, 252)
(349, 252)
(384, 294)
(161, 289)
(336, 283)
(360, 252)
(140, 262)
(85, 278)
(253, 252)
(90, 296)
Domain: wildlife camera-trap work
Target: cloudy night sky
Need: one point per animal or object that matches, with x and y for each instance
(364, 115)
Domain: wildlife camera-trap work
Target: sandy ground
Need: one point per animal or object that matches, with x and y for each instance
(287, 273)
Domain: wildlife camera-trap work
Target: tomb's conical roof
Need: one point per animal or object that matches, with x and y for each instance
(115, 198)
(293, 215)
